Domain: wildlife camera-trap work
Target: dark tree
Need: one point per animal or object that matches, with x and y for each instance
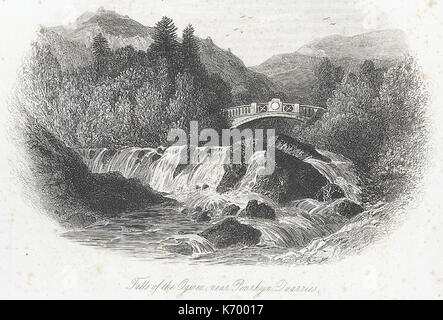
(124, 59)
(127, 97)
(166, 44)
(102, 53)
(328, 77)
(372, 76)
(189, 51)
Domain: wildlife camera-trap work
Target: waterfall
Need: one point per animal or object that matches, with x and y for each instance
(208, 171)
(126, 161)
(339, 171)
(296, 225)
(160, 172)
(157, 170)
(256, 163)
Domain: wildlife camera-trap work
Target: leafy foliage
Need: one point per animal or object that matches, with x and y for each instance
(102, 53)
(126, 97)
(377, 120)
(189, 50)
(328, 77)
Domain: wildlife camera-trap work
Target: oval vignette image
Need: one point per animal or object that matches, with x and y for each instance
(291, 134)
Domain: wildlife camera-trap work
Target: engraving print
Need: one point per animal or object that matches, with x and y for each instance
(154, 142)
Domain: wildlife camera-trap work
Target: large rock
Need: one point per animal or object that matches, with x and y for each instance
(182, 248)
(233, 174)
(298, 149)
(292, 179)
(347, 208)
(201, 216)
(205, 186)
(111, 193)
(230, 232)
(230, 210)
(329, 192)
(255, 210)
(70, 192)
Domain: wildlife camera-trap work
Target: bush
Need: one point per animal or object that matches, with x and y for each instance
(125, 97)
(379, 125)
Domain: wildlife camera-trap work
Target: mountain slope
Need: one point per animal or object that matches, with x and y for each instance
(244, 82)
(382, 44)
(294, 72)
(71, 45)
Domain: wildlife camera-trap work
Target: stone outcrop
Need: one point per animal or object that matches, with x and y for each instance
(230, 232)
(347, 208)
(230, 210)
(69, 191)
(292, 179)
(329, 192)
(233, 174)
(255, 210)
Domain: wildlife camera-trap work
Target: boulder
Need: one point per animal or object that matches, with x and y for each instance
(298, 149)
(179, 168)
(111, 193)
(329, 192)
(205, 186)
(73, 195)
(292, 179)
(201, 216)
(182, 248)
(230, 210)
(156, 156)
(255, 210)
(230, 232)
(233, 174)
(347, 208)
(161, 149)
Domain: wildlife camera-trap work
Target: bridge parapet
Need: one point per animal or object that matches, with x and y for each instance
(273, 107)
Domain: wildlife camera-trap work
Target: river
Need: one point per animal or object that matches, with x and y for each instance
(164, 232)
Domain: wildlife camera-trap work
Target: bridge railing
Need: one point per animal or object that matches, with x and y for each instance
(238, 111)
(256, 108)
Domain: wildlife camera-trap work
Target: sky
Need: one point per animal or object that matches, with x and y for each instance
(276, 26)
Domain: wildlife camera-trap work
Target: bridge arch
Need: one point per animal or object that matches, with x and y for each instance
(235, 123)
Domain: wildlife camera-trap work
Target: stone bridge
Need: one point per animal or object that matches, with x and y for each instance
(273, 109)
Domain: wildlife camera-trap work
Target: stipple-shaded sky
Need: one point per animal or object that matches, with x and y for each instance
(277, 26)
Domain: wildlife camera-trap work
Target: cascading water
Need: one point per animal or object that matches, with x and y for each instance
(339, 171)
(195, 185)
(197, 244)
(126, 161)
(209, 171)
(157, 170)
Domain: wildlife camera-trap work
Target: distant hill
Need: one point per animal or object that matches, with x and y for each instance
(294, 72)
(71, 45)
